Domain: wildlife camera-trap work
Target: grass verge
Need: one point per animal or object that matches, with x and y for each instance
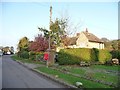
(93, 73)
(71, 79)
(26, 60)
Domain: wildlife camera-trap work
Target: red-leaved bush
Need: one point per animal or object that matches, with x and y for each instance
(39, 44)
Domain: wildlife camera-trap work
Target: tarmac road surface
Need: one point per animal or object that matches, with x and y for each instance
(15, 75)
(0, 72)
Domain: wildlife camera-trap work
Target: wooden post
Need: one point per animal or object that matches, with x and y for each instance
(51, 57)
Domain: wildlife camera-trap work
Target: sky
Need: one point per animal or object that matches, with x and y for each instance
(19, 19)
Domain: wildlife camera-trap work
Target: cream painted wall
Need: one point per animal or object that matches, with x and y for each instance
(82, 41)
(101, 46)
(93, 45)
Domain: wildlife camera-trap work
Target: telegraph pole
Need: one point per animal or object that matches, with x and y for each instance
(50, 25)
(50, 60)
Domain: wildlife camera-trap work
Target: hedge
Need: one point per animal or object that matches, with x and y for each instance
(35, 55)
(32, 55)
(24, 54)
(76, 55)
(104, 55)
(115, 54)
(95, 54)
(64, 58)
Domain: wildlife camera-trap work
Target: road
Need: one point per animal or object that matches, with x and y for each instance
(15, 75)
(0, 72)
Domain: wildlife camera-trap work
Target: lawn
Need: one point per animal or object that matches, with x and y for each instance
(71, 79)
(114, 68)
(102, 75)
(99, 72)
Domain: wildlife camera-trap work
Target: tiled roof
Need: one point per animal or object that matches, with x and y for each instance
(91, 37)
(73, 40)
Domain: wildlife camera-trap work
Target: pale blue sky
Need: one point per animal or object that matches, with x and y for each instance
(22, 18)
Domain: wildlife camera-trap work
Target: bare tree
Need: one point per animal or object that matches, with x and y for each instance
(71, 27)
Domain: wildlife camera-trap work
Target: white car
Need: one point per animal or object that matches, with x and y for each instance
(1, 53)
(8, 53)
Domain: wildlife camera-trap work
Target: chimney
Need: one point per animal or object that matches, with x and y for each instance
(78, 34)
(86, 30)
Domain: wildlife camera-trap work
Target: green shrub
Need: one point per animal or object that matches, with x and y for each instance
(35, 55)
(115, 54)
(64, 58)
(24, 54)
(95, 54)
(118, 56)
(32, 55)
(104, 55)
(74, 56)
(39, 56)
(39, 53)
(18, 54)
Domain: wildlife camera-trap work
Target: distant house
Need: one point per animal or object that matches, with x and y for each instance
(84, 40)
(88, 40)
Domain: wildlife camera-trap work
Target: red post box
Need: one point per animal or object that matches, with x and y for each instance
(46, 56)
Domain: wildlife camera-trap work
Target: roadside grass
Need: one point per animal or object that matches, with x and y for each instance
(114, 67)
(26, 60)
(71, 79)
(83, 71)
(106, 78)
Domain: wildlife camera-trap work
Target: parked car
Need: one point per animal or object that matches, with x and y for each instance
(56, 57)
(8, 53)
(1, 53)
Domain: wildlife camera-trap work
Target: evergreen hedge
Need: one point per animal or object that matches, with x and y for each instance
(76, 55)
(35, 55)
(24, 54)
(104, 55)
(30, 55)
(115, 54)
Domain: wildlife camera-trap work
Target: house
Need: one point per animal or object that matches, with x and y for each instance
(84, 40)
(88, 40)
